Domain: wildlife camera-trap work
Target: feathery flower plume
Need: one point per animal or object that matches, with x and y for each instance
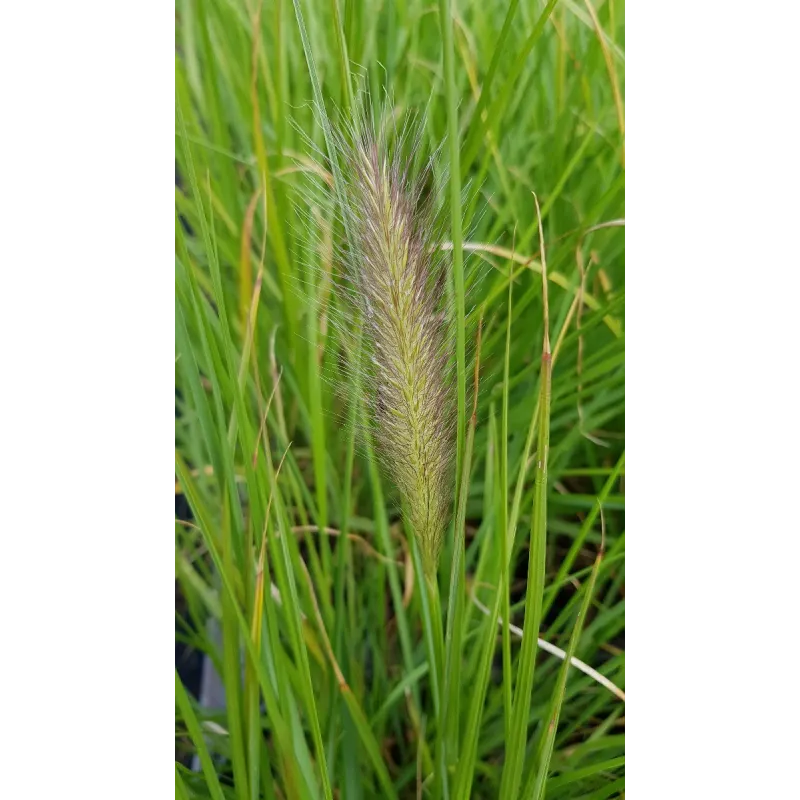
(398, 278)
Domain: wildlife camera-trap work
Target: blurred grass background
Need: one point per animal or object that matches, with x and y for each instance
(289, 535)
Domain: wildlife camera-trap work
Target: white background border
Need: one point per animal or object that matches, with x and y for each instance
(87, 417)
(712, 468)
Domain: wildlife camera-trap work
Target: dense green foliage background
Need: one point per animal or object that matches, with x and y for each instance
(293, 538)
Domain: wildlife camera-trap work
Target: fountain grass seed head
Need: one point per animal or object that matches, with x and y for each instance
(397, 270)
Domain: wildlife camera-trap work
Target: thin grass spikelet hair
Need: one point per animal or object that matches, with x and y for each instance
(396, 269)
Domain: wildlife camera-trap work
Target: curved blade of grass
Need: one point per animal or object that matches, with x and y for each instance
(612, 75)
(272, 208)
(284, 570)
(368, 740)
(253, 716)
(322, 114)
(499, 49)
(283, 738)
(410, 679)
(356, 712)
(565, 778)
(193, 726)
(530, 263)
(231, 547)
(558, 188)
(231, 665)
(578, 542)
(613, 789)
(495, 113)
(561, 655)
(344, 61)
(181, 791)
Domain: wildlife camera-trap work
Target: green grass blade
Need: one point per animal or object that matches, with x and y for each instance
(368, 740)
(500, 103)
(385, 545)
(455, 617)
(285, 575)
(465, 770)
(566, 778)
(536, 784)
(613, 789)
(499, 49)
(512, 769)
(504, 542)
(456, 599)
(232, 667)
(589, 521)
(344, 61)
(206, 524)
(193, 726)
(446, 25)
(181, 792)
(397, 693)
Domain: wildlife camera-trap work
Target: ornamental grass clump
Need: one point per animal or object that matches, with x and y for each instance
(396, 266)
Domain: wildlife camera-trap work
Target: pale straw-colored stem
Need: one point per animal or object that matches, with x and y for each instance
(558, 653)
